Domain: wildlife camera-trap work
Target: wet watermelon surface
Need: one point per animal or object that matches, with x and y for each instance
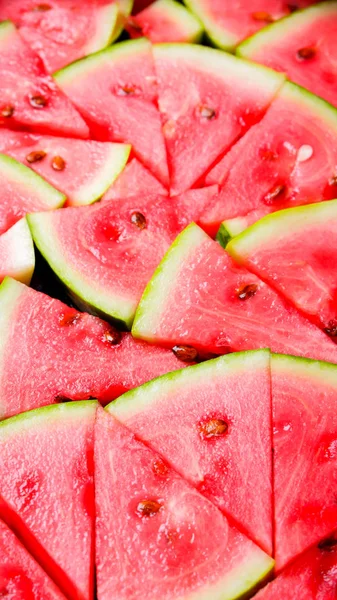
(168, 405)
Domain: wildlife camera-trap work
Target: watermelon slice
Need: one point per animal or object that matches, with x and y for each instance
(305, 433)
(62, 31)
(23, 191)
(47, 492)
(217, 433)
(303, 46)
(116, 92)
(156, 536)
(227, 22)
(313, 576)
(199, 297)
(280, 163)
(81, 169)
(165, 21)
(17, 253)
(30, 98)
(82, 356)
(135, 180)
(295, 252)
(106, 254)
(208, 100)
(233, 227)
(191, 204)
(21, 578)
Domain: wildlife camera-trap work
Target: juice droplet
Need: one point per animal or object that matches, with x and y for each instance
(247, 291)
(304, 153)
(185, 353)
(148, 508)
(58, 163)
(213, 428)
(138, 219)
(35, 156)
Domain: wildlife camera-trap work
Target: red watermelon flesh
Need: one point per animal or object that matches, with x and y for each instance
(303, 46)
(21, 578)
(81, 169)
(17, 253)
(81, 355)
(121, 105)
(201, 298)
(62, 31)
(107, 253)
(30, 99)
(217, 433)
(281, 162)
(135, 180)
(156, 536)
(46, 480)
(305, 434)
(208, 100)
(191, 204)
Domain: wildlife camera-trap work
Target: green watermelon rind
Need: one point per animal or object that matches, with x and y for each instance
(87, 297)
(186, 21)
(219, 36)
(281, 224)
(229, 229)
(283, 27)
(320, 372)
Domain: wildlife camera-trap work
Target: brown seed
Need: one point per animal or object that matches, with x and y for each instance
(213, 428)
(185, 353)
(126, 90)
(306, 53)
(247, 291)
(262, 16)
(206, 112)
(38, 101)
(41, 7)
(328, 545)
(112, 336)
(138, 219)
(35, 156)
(148, 508)
(58, 163)
(274, 194)
(7, 111)
(331, 329)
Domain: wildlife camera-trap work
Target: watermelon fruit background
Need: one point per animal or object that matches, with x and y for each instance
(168, 300)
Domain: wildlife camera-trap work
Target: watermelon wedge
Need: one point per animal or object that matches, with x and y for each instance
(105, 255)
(82, 169)
(313, 575)
(62, 31)
(214, 413)
(82, 356)
(165, 21)
(17, 253)
(121, 106)
(295, 252)
(30, 99)
(47, 492)
(303, 46)
(190, 205)
(233, 227)
(199, 297)
(187, 547)
(21, 578)
(208, 100)
(23, 191)
(135, 180)
(280, 163)
(305, 476)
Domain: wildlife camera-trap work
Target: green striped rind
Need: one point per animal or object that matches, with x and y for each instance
(125, 9)
(185, 20)
(319, 372)
(46, 416)
(283, 28)
(301, 98)
(106, 28)
(280, 226)
(157, 291)
(85, 293)
(16, 172)
(229, 229)
(220, 37)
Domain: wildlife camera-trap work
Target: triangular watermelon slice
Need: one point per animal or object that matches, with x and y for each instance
(303, 46)
(47, 492)
(72, 355)
(116, 92)
(62, 31)
(295, 251)
(30, 99)
(107, 253)
(21, 578)
(156, 536)
(23, 191)
(281, 162)
(82, 169)
(208, 99)
(165, 21)
(217, 433)
(199, 297)
(135, 180)
(305, 433)
(17, 253)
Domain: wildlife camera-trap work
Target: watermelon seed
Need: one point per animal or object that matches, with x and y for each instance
(305, 152)
(112, 336)
(69, 319)
(331, 329)
(7, 111)
(58, 163)
(274, 194)
(42, 7)
(138, 219)
(38, 101)
(306, 53)
(126, 90)
(206, 112)
(328, 544)
(185, 353)
(262, 16)
(247, 291)
(213, 428)
(148, 508)
(35, 156)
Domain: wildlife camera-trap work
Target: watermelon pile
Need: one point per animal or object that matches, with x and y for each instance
(168, 300)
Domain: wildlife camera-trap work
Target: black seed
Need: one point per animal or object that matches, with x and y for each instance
(306, 53)
(247, 291)
(328, 545)
(185, 353)
(213, 428)
(138, 219)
